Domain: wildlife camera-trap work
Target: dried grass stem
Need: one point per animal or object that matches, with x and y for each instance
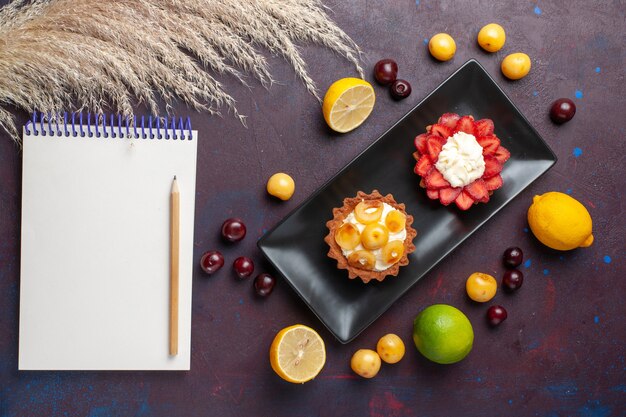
(109, 54)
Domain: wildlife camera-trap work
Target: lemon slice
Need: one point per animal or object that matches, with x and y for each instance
(347, 103)
(297, 354)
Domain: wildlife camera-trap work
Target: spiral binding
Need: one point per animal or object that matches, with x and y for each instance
(74, 124)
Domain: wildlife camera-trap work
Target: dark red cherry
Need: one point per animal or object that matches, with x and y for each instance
(233, 230)
(513, 257)
(400, 89)
(385, 71)
(512, 279)
(496, 315)
(244, 267)
(264, 284)
(211, 261)
(562, 110)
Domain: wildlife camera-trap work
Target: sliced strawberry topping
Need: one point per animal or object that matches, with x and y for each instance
(502, 154)
(441, 130)
(494, 182)
(489, 143)
(448, 195)
(420, 142)
(423, 165)
(464, 201)
(449, 119)
(433, 146)
(433, 194)
(465, 124)
(477, 189)
(492, 166)
(483, 127)
(435, 180)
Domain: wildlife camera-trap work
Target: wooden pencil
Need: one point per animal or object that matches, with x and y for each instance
(174, 264)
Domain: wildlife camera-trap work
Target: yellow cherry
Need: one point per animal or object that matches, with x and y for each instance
(516, 66)
(365, 363)
(281, 185)
(390, 348)
(481, 287)
(442, 47)
(491, 37)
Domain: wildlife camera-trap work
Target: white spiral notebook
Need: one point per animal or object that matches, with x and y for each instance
(95, 259)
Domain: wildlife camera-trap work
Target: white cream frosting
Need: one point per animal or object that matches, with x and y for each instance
(381, 265)
(461, 160)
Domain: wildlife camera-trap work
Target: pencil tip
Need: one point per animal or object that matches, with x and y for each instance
(174, 177)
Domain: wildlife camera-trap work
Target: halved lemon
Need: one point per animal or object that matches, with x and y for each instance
(347, 103)
(297, 354)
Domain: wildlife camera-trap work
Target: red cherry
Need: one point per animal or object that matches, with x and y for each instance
(400, 89)
(562, 110)
(513, 257)
(264, 284)
(512, 279)
(244, 267)
(496, 315)
(385, 71)
(233, 230)
(211, 261)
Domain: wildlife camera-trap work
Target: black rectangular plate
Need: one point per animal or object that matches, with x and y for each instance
(296, 246)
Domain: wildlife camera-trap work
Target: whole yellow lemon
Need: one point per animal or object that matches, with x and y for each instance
(560, 221)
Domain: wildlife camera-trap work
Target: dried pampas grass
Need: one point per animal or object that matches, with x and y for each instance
(104, 54)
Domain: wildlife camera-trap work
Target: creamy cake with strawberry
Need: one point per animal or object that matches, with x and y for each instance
(460, 160)
(370, 236)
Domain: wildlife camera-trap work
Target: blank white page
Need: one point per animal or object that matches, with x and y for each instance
(95, 261)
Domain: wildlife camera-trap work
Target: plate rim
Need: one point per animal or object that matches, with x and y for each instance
(261, 240)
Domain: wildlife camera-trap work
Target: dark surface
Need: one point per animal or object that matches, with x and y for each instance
(559, 353)
(296, 246)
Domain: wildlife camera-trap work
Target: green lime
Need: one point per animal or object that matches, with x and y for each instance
(443, 334)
